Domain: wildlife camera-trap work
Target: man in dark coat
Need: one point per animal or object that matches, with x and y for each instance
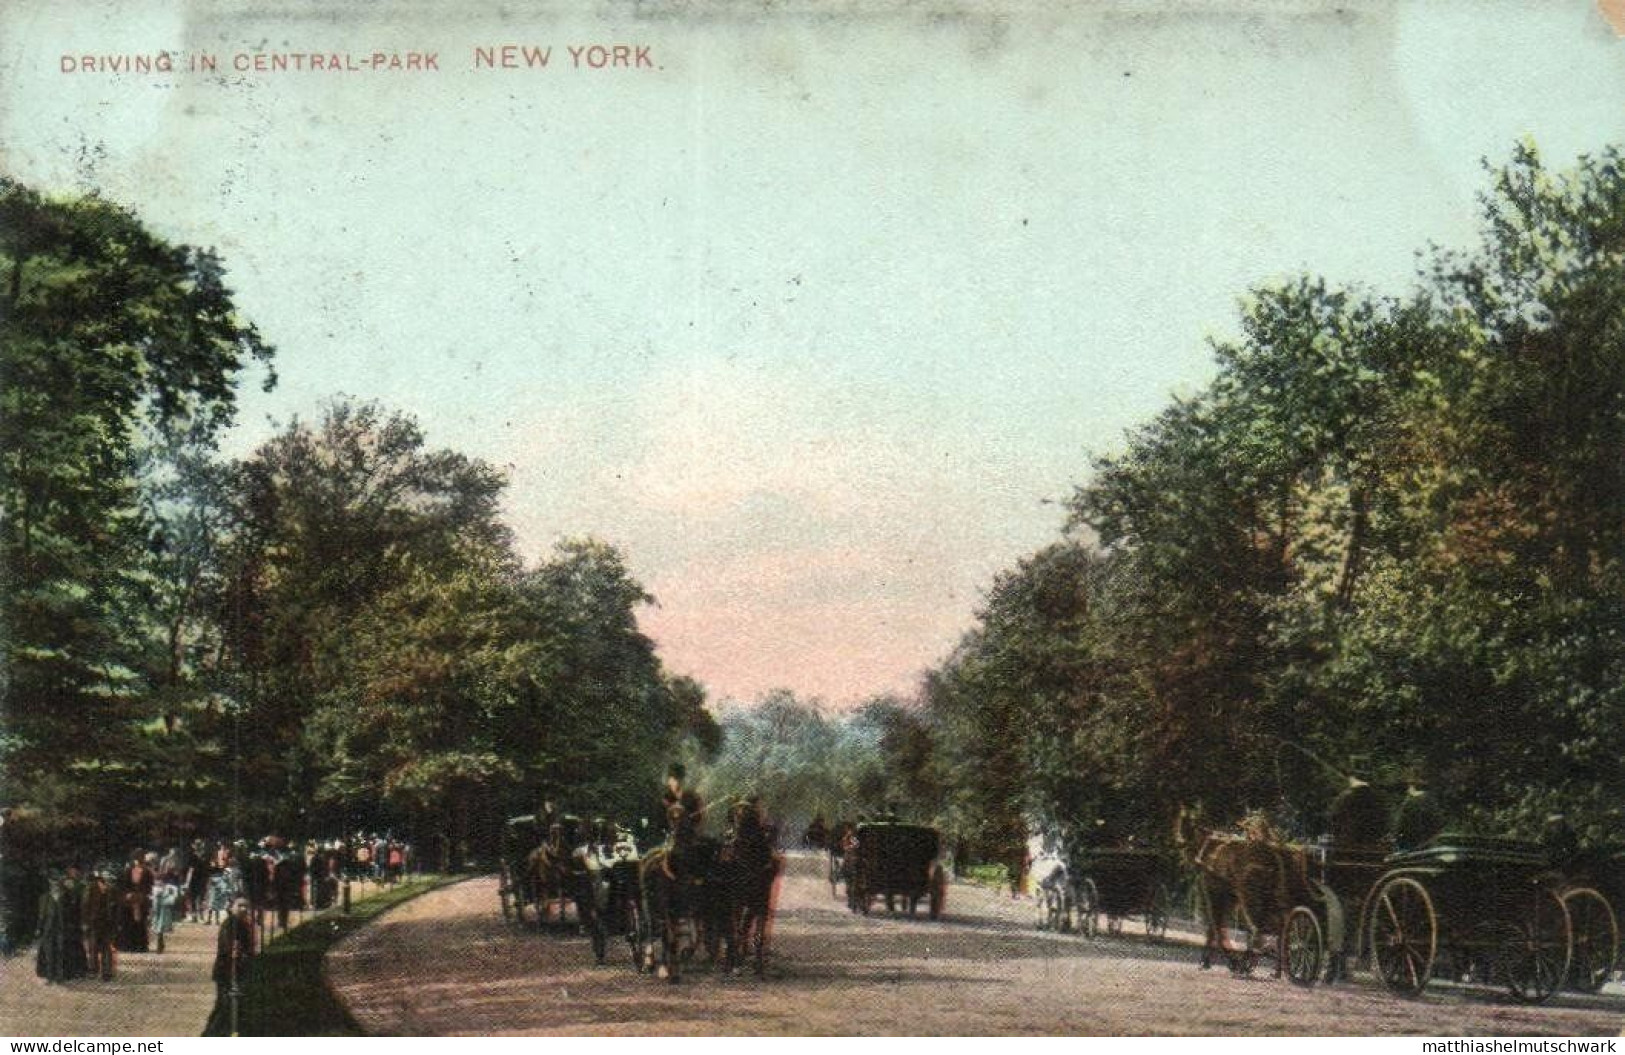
(287, 881)
(677, 794)
(233, 951)
(100, 919)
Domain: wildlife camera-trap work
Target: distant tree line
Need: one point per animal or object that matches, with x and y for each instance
(1387, 540)
(331, 634)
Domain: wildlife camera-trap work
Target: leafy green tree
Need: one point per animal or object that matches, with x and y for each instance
(113, 342)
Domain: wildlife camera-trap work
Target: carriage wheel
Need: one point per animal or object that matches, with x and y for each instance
(1596, 939)
(1404, 935)
(1088, 908)
(1156, 915)
(1303, 946)
(1535, 961)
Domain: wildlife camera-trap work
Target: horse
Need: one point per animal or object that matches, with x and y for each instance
(749, 868)
(560, 870)
(679, 882)
(1253, 877)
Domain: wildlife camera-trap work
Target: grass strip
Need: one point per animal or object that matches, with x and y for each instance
(285, 994)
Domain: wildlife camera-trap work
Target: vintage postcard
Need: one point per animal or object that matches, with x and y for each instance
(868, 518)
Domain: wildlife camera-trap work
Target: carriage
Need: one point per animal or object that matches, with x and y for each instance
(1466, 908)
(1111, 885)
(897, 862)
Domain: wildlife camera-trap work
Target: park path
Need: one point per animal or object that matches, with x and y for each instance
(166, 994)
(446, 964)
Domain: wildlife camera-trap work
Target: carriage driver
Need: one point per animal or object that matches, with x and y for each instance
(676, 794)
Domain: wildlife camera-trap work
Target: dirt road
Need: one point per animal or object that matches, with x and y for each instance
(446, 963)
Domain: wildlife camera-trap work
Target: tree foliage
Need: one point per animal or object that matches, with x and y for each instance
(1387, 534)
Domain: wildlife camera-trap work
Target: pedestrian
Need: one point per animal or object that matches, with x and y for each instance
(165, 897)
(287, 883)
(220, 894)
(135, 898)
(363, 858)
(101, 923)
(173, 866)
(233, 951)
(198, 871)
(75, 965)
(49, 959)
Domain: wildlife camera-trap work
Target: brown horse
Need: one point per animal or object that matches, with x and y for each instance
(1252, 878)
(681, 886)
(749, 868)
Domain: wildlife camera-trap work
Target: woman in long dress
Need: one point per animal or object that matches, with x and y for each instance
(165, 896)
(50, 960)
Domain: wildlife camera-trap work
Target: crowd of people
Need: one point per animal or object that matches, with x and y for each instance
(86, 919)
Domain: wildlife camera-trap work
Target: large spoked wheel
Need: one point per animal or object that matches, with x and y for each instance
(1303, 946)
(1596, 939)
(1156, 916)
(1535, 962)
(1404, 935)
(1088, 908)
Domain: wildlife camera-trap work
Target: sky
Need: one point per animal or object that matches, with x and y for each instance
(818, 310)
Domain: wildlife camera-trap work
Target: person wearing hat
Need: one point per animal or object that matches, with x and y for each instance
(1417, 818)
(233, 951)
(100, 918)
(234, 947)
(676, 794)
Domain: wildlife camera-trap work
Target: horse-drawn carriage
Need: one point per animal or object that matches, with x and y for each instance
(719, 893)
(1464, 908)
(1472, 909)
(1112, 884)
(896, 862)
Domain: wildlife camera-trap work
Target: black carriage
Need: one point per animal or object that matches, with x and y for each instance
(897, 863)
(1110, 885)
(1462, 908)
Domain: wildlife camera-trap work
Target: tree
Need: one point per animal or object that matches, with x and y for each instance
(112, 342)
